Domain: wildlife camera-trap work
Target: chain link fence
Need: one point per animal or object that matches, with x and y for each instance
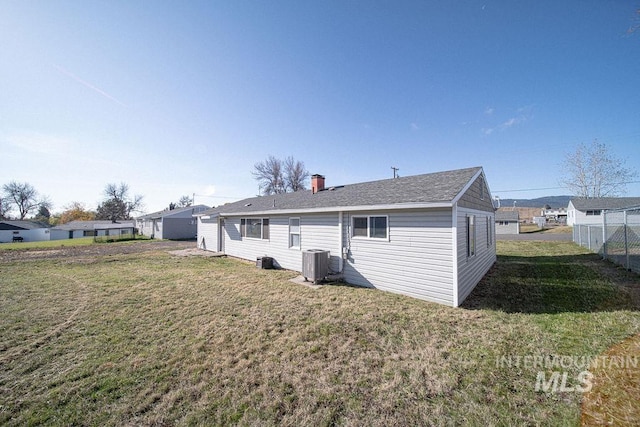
(617, 238)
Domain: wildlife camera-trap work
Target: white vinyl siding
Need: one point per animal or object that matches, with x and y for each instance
(472, 269)
(208, 234)
(575, 216)
(415, 259)
(317, 232)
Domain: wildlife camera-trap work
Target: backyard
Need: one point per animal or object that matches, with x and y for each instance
(113, 337)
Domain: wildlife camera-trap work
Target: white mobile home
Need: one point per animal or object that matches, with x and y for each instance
(583, 211)
(176, 224)
(23, 231)
(428, 236)
(77, 229)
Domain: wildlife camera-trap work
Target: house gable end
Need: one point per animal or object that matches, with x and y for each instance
(477, 195)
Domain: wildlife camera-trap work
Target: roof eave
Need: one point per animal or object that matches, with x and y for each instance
(394, 206)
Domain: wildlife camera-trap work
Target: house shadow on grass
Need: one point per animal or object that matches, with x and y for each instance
(555, 284)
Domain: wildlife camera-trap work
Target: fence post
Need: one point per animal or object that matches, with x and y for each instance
(604, 234)
(626, 244)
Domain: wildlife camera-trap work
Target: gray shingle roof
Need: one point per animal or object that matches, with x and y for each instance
(582, 204)
(507, 215)
(22, 224)
(428, 188)
(167, 212)
(93, 225)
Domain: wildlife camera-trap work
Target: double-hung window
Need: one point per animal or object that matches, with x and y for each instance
(294, 233)
(255, 228)
(373, 227)
(471, 235)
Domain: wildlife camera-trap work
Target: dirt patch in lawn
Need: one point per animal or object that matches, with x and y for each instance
(98, 249)
(195, 252)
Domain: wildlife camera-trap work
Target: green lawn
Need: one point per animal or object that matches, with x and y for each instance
(47, 244)
(152, 338)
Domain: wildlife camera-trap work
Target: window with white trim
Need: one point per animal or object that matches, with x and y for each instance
(471, 235)
(373, 227)
(254, 228)
(294, 233)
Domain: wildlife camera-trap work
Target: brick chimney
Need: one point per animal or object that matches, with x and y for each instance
(317, 183)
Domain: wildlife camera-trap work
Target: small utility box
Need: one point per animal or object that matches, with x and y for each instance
(264, 262)
(315, 264)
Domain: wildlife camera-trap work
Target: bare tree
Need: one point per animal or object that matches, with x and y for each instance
(269, 174)
(592, 171)
(184, 202)
(118, 205)
(295, 175)
(276, 176)
(5, 207)
(23, 196)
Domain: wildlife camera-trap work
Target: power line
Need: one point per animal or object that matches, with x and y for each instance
(554, 188)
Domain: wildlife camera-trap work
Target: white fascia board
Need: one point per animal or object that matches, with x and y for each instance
(205, 215)
(396, 206)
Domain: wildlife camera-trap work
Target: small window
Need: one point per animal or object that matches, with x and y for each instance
(360, 227)
(471, 235)
(378, 227)
(595, 212)
(294, 233)
(489, 231)
(254, 228)
(374, 227)
(89, 233)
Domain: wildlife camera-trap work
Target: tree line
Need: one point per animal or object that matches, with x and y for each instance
(591, 171)
(20, 200)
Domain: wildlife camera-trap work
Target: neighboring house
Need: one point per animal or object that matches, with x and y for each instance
(77, 229)
(555, 215)
(507, 222)
(176, 224)
(589, 211)
(23, 231)
(428, 236)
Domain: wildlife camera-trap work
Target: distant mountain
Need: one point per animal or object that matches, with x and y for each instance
(553, 201)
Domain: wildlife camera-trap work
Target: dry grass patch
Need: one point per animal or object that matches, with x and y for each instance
(155, 339)
(613, 400)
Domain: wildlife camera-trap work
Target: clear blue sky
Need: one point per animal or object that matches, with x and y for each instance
(176, 98)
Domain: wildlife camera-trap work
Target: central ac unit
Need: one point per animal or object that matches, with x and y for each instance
(315, 264)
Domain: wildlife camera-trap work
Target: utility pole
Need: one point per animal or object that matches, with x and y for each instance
(395, 171)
